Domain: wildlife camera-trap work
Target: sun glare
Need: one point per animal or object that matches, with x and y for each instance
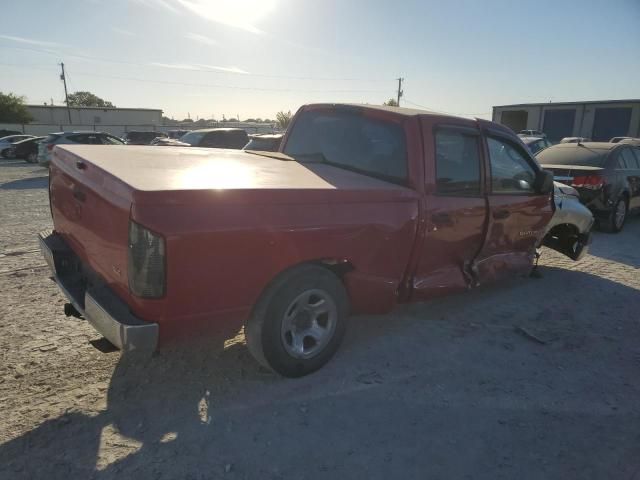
(243, 14)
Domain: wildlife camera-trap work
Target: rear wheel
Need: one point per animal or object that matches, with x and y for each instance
(618, 215)
(299, 322)
(32, 157)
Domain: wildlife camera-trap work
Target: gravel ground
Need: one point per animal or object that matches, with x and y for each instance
(535, 378)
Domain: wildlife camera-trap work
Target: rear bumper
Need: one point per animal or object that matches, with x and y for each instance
(95, 301)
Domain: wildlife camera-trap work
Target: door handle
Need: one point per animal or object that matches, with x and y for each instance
(501, 214)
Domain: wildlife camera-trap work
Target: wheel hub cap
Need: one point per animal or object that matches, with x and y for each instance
(309, 323)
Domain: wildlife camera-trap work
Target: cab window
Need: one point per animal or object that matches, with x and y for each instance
(457, 163)
(511, 172)
(626, 159)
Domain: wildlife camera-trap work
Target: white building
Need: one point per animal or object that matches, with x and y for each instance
(597, 120)
(59, 115)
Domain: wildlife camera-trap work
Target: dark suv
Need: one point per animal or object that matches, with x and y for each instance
(234, 138)
(142, 138)
(607, 176)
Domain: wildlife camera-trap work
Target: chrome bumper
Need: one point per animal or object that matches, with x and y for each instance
(94, 300)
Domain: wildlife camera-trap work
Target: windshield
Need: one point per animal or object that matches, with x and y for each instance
(192, 138)
(575, 154)
(350, 140)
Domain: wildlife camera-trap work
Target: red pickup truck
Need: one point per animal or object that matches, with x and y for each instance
(364, 207)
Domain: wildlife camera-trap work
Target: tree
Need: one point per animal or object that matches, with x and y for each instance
(13, 109)
(187, 120)
(283, 119)
(168, 121)
(87, 99)
(392, 102)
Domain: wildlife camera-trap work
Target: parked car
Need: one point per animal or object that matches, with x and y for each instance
(176, 134)
(575, 140)
(68, 138)
(569, 230)
(7, 143)
(631, 141)
(363, 208)
(606, 175)
(532, 133)
(264, 142)
(234, 138)
(27, 149)
(5, 133)
(142, 138)
(535, 144)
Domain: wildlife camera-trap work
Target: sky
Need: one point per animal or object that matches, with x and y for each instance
(253, 58)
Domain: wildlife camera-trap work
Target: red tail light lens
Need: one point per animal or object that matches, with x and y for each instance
(588, 181)
(50, 146)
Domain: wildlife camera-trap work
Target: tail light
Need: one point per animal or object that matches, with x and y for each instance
(50, 146)
(593, 182)
(146, 265)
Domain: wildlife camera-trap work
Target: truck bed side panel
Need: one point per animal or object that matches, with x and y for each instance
(221, 257)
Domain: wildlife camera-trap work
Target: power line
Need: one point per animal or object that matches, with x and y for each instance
(208, 85)
(193, 68)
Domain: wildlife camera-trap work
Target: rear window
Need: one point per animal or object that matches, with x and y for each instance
(352, 141)
(51, 138)
(235, 139)
(575, 154)
(192, 138)
(143, 136)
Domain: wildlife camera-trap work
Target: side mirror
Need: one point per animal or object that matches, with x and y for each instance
(544, 182)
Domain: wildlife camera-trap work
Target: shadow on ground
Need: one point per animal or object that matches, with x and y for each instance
(623, 247)
(26, 183)
(435, 393)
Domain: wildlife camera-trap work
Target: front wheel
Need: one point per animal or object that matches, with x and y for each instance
(299, 322)
(618, 215)
(7, 153)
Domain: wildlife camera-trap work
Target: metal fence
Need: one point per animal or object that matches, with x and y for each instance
(41, 129)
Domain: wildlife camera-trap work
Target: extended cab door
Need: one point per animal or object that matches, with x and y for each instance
(517, 213)
(455, 208)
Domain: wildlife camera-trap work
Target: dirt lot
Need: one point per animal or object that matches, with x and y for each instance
(449, 389)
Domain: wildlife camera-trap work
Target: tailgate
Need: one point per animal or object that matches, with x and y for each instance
(90, 210)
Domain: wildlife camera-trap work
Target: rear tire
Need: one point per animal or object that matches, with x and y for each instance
(299, 322)
(32, 157)
(618, 215)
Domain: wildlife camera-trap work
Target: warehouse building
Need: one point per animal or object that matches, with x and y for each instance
(597, 120)
(58, 115)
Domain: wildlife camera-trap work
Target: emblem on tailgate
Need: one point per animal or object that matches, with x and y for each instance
(116, 270)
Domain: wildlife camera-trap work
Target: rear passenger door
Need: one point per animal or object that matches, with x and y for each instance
(456, 211)
(518, 214)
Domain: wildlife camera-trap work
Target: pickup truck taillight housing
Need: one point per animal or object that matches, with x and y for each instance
(146, 262)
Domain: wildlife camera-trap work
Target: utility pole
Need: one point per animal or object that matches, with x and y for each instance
(400, 92)
(66, 95)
